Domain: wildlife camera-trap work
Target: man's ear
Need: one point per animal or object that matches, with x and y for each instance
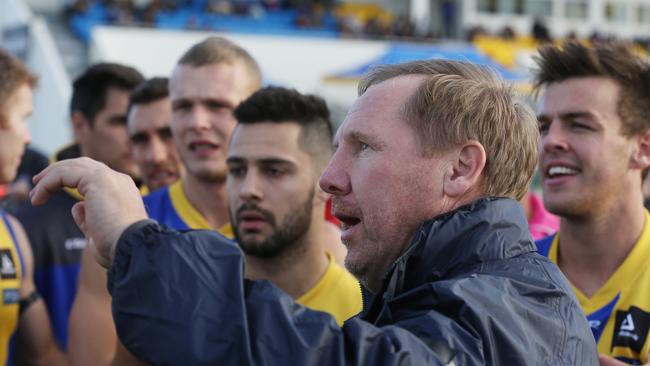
(467, 165)
(641, 155)
(80, 127)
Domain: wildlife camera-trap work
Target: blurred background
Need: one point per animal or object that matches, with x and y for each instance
(320, 47)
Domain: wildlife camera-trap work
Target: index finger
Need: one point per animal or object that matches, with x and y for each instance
(67, 173)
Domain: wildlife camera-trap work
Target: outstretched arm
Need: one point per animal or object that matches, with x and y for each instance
(187, 290)
(180, 298)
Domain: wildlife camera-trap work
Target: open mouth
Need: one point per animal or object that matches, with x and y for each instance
(202, 146)
(347, 221)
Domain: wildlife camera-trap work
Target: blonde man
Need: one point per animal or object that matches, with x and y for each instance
(427, 169)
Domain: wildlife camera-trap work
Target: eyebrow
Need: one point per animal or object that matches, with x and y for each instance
(199, 100)
(579, 114)
(118, 118)
(360, 136)
(139, 136)
(567, 115)
(263, 161)
(165, 129)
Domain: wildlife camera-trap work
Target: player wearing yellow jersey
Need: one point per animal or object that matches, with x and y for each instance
(208, 82)
(22, 311)
(595, 126)
(278, 151)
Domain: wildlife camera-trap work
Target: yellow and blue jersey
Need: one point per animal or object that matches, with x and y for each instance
(619, 312)
(11, 272)
(170, 207)
(337, 293)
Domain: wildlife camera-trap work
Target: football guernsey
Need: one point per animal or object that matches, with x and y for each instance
(57, 244)
(11, 271)
(337, 293)
(619, 312)
(170, 206)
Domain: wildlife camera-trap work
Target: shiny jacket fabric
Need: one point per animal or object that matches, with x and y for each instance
(469, 290)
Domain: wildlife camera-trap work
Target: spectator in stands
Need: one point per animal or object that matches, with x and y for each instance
(595, 145)
(448, 14)
(540, 31)
(100, 98)
(277, 153)
(221, 7)
(508, 33)
(403, 27)
(476, 31)
(152, 144)
(419, 164)
(23, 316)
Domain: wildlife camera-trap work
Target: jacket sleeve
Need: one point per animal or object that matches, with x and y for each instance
(181, 299)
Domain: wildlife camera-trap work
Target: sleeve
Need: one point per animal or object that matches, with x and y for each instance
(180, 298)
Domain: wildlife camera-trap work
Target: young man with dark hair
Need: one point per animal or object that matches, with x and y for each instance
(595, 125)
(23, 316)
(152, 145)
(426, 173)
(277, 152)
(98, 111)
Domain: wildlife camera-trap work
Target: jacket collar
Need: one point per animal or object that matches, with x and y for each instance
(487, 229)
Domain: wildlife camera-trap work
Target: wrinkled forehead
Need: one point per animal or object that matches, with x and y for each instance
(381, 106)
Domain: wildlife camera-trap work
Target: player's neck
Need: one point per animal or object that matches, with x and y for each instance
(208, 198)
(295, 271)
(593, 248)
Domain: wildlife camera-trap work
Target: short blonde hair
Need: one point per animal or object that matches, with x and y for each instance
(217, 50)
(459, 102)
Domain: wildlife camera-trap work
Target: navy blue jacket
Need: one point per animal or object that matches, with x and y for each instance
(470, 289)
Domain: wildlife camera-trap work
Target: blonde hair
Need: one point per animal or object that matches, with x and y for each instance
(217, 50)
(459, 102)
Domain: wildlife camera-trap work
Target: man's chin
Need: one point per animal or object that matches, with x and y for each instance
(356, 268)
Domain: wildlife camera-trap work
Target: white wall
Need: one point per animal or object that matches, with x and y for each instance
(299, 62)
(50, 122)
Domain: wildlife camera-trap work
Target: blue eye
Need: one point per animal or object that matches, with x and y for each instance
(363, 146)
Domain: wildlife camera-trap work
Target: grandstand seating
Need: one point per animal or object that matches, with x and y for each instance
(193, 16)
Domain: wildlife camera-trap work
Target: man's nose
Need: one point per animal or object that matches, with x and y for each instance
(250, 189)
(199, 118)
(335, 179)
(554, 138)
(156, 152)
